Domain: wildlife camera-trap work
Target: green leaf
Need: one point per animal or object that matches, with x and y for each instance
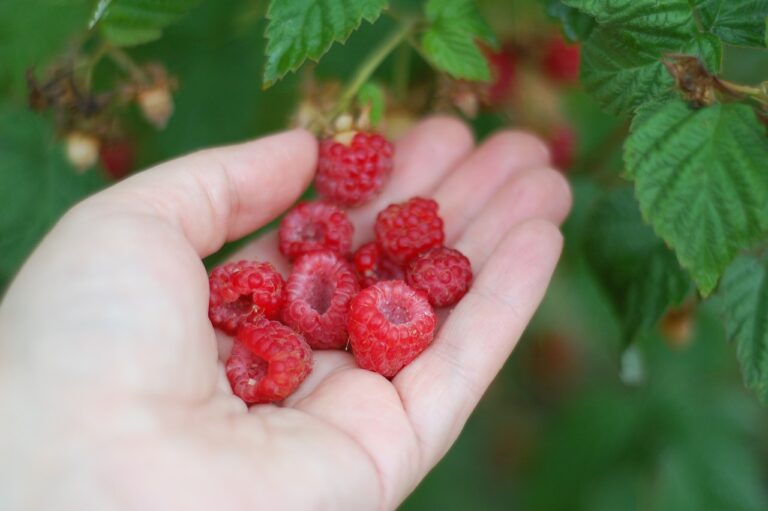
(639, 272)
(302, 29)
(621, 61)
(36, 185)
(744, 292)
(450, 42)
(132, 22)
(636, 13)
(739, 22)
(577, 26)
(701, 182)
(372, 95)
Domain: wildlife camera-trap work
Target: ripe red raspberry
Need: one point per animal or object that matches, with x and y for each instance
(562, 145)
(317, 298)
(561, 60)
(405, 230)
(352, 174)
(443, 274)
(372, 265)
(312, 226)
(117, 157)
(503, 66)
(268, 362)
(243, 288)
(389, 325)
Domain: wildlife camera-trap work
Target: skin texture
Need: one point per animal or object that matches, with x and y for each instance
(111, 382)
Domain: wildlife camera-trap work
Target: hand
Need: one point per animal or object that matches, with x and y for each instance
(111, 390)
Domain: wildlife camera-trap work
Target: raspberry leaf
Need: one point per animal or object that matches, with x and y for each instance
(38, 185)
(700, 179)
(577, 26)
(450, 42)
(744, 293)
(638, 271)
(736, 21)
(621, 62)
(305, 29)
(132, 22)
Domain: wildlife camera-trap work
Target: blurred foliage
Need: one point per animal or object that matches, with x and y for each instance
(574, 421)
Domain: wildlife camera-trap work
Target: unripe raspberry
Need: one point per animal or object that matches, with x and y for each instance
(156, 104)
(82, 150)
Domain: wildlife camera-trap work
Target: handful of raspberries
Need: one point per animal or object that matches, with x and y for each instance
(378, 301)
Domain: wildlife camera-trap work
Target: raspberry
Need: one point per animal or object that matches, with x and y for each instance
(389, 325)
(117, 157)
(312, 226)
(352, 174)
(268, 362)
(242, 288)
(317, 298)
(561, 60)
(443, 274)
(503, 72)
(82, 150)
(562, 142)
(372, 265)
(156, 104)
(408, 229)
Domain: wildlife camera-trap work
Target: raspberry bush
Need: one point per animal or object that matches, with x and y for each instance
(642, 368)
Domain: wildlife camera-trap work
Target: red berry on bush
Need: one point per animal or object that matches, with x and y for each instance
(561, 60)
(503, 65)
(312, 226)
(351, 174)
(562, 145)
(118, 157)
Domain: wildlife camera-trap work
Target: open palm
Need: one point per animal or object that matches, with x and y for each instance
(111, 374)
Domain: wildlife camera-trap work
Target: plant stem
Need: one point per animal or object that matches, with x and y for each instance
(92, 62)
(402, 71)
(126, 63)
(369, 65)
(759, 94)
